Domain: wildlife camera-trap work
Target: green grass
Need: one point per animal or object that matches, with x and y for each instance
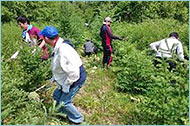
(98, 100)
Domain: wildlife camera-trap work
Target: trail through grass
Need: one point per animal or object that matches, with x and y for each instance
(98, 100)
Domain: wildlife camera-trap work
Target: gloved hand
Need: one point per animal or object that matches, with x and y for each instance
(34, 51)
(14, 56)
(52, 80)
(185, 61)
(120, 38)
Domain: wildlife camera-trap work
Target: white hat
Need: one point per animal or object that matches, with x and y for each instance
(108, 19)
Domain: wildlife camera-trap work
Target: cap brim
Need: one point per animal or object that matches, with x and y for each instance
(109, 21)
(41, 33)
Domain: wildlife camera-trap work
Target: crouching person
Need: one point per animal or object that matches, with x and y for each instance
(166, 48)
(90, 48)
(68, 72)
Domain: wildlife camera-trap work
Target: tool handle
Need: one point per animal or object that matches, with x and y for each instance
(41, 87)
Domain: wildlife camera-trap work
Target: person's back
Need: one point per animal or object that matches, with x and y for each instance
(89, 46)
(34, 34)
(170, 45)
(69, 43)
(167, 47)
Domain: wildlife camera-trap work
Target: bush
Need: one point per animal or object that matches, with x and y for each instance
(35, 70)
(151, 31)
(167, 103)
(69, 23)
(138, 11)
(19, 77)
(165, 93)
(133, 69)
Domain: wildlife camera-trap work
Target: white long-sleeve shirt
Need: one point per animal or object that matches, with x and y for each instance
(165, 47)
(65, 65)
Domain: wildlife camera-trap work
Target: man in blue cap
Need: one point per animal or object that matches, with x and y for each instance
(68, 72)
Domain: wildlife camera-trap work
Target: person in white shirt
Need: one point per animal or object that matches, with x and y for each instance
(68, 72)
(166, 48)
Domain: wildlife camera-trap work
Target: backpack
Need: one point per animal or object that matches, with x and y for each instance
(69, 43)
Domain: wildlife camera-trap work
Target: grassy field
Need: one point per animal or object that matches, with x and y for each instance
(100, 100)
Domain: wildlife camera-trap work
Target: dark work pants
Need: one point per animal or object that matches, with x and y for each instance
(88, 53)
(107, 58)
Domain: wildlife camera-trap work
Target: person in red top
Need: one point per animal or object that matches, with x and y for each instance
(31, 35)
(107, 36)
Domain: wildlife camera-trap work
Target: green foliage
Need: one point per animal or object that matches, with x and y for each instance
(152, 30)
(166, 103)
(12, 39)
(19, 77)
(134, 71)
(138, 11)
(94, 30)
(165, 93)
(69, 23)
(130, 11)
(33, 10)
(36, 70)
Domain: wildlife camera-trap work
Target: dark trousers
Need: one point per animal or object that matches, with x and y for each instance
(107, 57)
(88, 53)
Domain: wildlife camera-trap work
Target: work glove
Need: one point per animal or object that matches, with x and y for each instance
(120, 38)
(34, 51)
(52, 80)
(185, 61)
(14, 56)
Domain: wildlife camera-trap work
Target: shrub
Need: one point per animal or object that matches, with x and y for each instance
(166, 103)
(36, 71)
(151, 31)
(69, 23)
(20, 76)
(165, 93)
(133, 69)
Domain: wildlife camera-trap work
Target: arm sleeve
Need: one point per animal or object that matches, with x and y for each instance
(110, 34)
(37, 32)
(180, 51)
(72, 70)
(154, 46)
(42, 44)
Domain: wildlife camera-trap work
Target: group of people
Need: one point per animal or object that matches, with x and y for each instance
(66, 64)
(164, 49)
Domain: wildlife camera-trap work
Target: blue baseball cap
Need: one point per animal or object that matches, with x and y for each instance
(49, 31)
